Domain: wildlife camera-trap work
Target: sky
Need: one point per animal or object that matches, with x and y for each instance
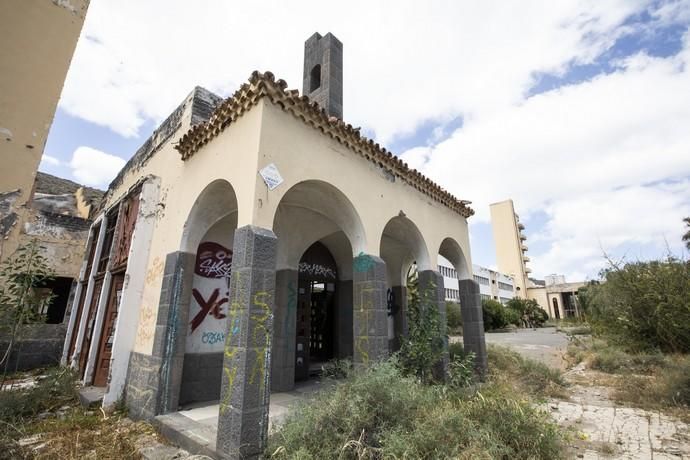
(578, 111)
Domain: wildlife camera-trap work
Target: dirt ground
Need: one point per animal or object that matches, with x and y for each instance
(598, 427)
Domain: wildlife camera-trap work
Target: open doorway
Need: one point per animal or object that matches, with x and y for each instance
(315, 337)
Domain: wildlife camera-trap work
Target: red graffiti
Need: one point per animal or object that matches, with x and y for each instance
(208, 307)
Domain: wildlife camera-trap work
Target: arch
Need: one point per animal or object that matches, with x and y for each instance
(215, 202)
(311, 211)
(451, 250)
(315, 78)
(402, 244)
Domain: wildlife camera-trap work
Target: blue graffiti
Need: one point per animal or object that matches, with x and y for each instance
(212, 338)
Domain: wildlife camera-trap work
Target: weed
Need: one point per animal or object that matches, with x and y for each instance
(527, 375)
(379, 413)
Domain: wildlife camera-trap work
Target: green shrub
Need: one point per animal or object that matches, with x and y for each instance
(615, 360)
(643, 306)
(456, 349)
(528, 309)
(494, 314)
(423, 347)
(379, 413)
(454, 316)
(336, 368)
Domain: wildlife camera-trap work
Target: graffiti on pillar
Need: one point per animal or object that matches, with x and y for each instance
(364, 325)
(261, 338)
(210, 297)
(363, 263)
(229, 350)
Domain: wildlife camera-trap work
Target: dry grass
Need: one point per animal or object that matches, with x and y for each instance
(46, 421)
(83, 435)
(651, 381)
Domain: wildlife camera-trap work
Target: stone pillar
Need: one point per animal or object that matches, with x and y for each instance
(473, 323)
(344, 320)
(284, 321)
(153, 381)
(370, 316)
(432, 292)
(246, 382)
(399, 315)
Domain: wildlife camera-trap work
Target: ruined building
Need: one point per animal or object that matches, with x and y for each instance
(249, 240)
(39, 38)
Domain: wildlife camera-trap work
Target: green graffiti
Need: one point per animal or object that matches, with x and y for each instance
(362, 263)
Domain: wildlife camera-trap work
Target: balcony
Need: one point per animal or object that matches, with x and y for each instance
(523, 247)
(521, 226)
(522, 236)
(528, 270)
(525, 258)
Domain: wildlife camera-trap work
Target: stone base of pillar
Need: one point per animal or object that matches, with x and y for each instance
(370, 316)
(284, 321)
(473, 324)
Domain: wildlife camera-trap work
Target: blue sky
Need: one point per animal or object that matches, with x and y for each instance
(578, 111)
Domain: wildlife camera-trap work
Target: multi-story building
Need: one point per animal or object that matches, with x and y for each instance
(553, 294)
(511, 248)
(492, 284)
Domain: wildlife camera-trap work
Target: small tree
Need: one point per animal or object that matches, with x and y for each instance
(422, 349)
(20, 300)
(686, 236)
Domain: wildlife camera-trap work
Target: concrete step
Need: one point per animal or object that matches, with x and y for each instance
(188, 434)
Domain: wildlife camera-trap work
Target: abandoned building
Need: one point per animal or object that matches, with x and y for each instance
(248, 241)
(39, 39)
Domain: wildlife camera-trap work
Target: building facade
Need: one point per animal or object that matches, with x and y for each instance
(39, 38)
(249, 240)
(557, 297)
(492, 284)
(511, 246)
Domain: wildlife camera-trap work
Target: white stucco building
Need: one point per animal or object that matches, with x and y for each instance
(492, 284)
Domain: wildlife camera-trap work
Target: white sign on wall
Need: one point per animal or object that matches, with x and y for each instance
(271, 176)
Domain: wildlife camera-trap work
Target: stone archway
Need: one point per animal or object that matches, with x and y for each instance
(402, 245)
(470, 303)
(311, 213)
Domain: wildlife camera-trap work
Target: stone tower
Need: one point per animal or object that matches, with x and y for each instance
(323, 72)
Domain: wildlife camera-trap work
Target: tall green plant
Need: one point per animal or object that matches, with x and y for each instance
(686, 236)
(20, 300)
(422, 349)
(644, 305)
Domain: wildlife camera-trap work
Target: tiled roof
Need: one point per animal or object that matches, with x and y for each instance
(265, 85)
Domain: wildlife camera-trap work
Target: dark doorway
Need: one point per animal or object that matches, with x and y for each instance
(60, 288)
(316, 310)
(556, 310)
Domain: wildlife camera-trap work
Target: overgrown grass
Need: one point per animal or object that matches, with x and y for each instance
(51, 424)
(650, 380)
(524, 374)
(379, 413)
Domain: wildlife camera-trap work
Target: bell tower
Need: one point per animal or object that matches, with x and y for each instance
(323, 73)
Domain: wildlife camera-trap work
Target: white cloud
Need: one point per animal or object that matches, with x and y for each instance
(595, 157)
(49, 160)
(93, 167)
(404, 64)
(583, 147)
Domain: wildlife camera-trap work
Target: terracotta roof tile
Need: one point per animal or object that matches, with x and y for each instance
(265, 85)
